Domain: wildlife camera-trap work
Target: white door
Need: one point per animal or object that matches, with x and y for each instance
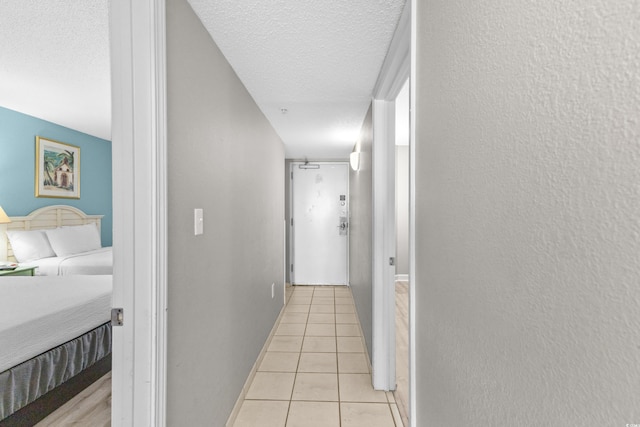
(320, 223)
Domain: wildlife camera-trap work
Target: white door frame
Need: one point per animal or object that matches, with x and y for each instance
(384, 246)
(292, 220)
(138, 64)
(394, 73)
(413, 419)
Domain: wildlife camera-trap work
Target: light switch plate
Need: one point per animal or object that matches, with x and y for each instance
(198, 222)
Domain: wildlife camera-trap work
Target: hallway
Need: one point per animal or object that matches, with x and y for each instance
(315, 371)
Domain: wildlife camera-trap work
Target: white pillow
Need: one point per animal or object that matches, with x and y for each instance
(30, 245)
(74, 240)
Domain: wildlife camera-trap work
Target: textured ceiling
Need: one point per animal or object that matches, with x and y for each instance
(319, 60)
(54, 62)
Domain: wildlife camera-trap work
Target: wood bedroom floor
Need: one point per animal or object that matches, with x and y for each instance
(91, 407)
(315, 373)
(402, 349)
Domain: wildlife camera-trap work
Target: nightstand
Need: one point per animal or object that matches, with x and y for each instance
(19, 271)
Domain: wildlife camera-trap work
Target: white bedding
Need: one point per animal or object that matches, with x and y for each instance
(99, 261)
(39, 313)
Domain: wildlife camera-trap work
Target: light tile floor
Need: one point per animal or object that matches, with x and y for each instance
(315, 371)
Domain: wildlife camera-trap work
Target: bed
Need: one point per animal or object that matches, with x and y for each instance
(55, 334)
(59, 240)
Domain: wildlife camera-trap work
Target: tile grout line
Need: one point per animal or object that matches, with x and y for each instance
(295, 374)
(295, 377)
(335, 327)
(391, 411)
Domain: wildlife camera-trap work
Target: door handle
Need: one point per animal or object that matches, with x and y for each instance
(343, 225)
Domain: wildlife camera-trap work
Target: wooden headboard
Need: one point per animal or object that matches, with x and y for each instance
(45, 218)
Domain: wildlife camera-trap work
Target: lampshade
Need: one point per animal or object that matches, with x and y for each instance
(4, 219)
(354, 160)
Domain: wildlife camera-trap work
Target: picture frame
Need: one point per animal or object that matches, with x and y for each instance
(57, 169)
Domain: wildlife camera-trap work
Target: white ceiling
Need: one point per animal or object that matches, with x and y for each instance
(318, 59)
(54, 62)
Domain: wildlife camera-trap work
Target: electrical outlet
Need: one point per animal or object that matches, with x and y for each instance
(273, 290)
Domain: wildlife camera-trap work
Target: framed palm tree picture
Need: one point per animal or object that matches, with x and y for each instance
(57, 169)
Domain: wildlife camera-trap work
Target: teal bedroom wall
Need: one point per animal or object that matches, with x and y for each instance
(17, 168)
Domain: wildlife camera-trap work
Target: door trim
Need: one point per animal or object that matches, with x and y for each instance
(412, 216)
(394, 73)
(384, 246)
(138, 64)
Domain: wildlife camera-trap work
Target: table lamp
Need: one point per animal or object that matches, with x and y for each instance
(4, 219)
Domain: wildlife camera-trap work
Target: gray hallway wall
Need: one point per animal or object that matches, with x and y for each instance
(224, 157)
(360, 229)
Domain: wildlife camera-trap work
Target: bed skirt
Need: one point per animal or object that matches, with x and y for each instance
(28, 381)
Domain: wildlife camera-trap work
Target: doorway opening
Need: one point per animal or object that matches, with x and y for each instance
(393, 77)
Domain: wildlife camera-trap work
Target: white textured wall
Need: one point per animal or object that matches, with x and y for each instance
(223, 156)
(528, 213)
(402, 209)
(402, 180)
(402, 115)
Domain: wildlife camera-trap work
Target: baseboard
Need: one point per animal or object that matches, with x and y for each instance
(245, 388)
(364, 343)
(402, 277)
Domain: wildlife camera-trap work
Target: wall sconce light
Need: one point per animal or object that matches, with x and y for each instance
(4, 219)
(354, 160)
